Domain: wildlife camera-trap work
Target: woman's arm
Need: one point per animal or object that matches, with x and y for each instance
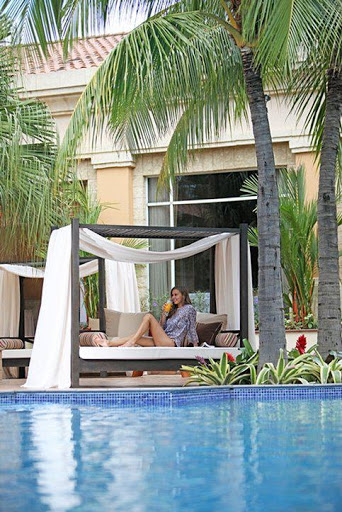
(192, 334)
(162, 319)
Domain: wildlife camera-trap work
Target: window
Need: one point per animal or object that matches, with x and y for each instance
(203, 200)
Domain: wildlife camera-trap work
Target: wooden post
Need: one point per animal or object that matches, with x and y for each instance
(102, 302)
(102, 293)
(243, 281)
(75, 304)
(21, 369)
(212, 281)
(22, 309)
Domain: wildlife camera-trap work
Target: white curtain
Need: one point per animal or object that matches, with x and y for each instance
(227, 285)
(50, 360)
(122, 287)
(96, 244)
(9, 304)
(23, 270)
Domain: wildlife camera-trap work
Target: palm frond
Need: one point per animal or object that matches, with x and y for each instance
(287, 30)
(161, 70)
(34, 21)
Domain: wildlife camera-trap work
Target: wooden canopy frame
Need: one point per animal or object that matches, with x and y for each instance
(78, 364)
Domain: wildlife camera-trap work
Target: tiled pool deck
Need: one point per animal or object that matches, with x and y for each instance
(157, 390)
(120, 382)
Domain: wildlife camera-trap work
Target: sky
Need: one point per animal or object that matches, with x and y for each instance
(124, 23)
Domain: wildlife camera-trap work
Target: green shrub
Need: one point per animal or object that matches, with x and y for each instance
(305, 368)
(217, 373)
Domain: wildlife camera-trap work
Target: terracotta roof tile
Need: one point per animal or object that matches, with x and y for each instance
(86, 53)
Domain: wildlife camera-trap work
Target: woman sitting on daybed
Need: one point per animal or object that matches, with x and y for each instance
(171, 331)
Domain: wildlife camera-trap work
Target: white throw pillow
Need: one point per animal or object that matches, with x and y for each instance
(120, 324)
(129, 323)
(112, 322)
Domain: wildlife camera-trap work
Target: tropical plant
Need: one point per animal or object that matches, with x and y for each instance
(299, 244)
(298, 240)
(301, 368)
(315, 369)
(283, 372)
(192, 61)
(30, 199)
(247, 354)
(215, 373)
(309, 322)
(300, 347)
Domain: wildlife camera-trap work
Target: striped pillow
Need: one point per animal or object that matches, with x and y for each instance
(226, 339)
(87, 338)
(7, 343)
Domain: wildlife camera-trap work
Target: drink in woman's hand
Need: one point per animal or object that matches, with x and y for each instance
(167, 307)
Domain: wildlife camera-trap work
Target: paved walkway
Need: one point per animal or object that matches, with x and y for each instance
(147, 381)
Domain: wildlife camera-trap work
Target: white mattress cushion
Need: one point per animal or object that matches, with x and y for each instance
(148, 353)
(19, 353)
(136, 352)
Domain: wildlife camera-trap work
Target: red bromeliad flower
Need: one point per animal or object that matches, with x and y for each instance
(230, 357)
(301, 344)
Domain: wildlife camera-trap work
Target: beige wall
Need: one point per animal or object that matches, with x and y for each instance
(311, 173)
(115, 186)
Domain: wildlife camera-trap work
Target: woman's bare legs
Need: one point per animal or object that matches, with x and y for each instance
(159, 338)
(102, 342)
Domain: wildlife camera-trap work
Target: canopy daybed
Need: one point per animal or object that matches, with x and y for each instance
(16, 322)
(57, 358)
(87, 359)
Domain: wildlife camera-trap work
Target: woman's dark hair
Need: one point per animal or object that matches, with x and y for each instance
(185, 294)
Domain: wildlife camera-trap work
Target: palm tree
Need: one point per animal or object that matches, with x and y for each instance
(190, 62)
(310, 58)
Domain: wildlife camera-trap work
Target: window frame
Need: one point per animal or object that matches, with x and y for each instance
(172, 203)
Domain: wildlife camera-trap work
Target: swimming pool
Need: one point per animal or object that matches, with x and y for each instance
(203, 456)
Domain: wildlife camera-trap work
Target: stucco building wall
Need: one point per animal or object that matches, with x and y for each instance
(117, 176)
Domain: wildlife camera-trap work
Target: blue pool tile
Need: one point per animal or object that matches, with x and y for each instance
(177, 396)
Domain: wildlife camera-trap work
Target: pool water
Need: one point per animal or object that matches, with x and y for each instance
(221, 456)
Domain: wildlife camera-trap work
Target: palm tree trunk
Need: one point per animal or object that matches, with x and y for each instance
(271, 309)
(329, 307)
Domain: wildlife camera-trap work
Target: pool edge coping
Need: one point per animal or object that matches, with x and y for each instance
(172, 389)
